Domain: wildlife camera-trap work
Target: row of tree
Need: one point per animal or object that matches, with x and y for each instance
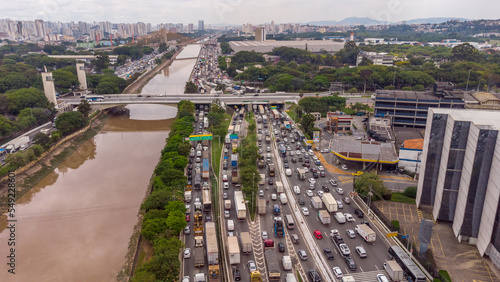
(164, 209)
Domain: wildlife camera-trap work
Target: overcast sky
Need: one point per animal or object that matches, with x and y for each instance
(240, 12)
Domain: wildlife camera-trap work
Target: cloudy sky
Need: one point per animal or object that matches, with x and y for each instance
(243, 11)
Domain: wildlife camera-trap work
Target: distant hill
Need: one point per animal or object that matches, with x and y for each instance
(369, 21)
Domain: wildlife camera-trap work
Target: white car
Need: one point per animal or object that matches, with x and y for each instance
(344, 249)
(311, 185)
(340, 205)
(321, 168)
(324, 151)
(309, 193)
(311, 153)
(333, 182)
(315, 158)
(344, 167)
(306, 169)
(349, 217)
(226, 214)
(224, 172)
(320, 194)
(361, 251)
(226, 185)
(187, 253)
(303, 150)
(185, 279)
(305, 211)
(292, 153)
(297, 152)
(312, 180)
(337, 272)
(264, 235)
(340, 191)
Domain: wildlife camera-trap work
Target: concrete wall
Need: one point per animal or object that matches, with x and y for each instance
(410, 159)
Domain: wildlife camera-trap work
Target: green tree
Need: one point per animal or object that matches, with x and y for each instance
(70, 122)
(370, 179)
(41, 139)
(176, 221)
(6, 127)
(157, 200)
(190, 87)
(226, 49)
(365, 62)
(464, 52)
(84, 108)
(26, 98)
(14, 81)
(64, 80)
(307, 123)
(101, 62)
(151, 228)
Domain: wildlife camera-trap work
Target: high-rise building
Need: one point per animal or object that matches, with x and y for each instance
(260, 34)
(201, 25)
(190, 27)
(40, 30)
(460, 172)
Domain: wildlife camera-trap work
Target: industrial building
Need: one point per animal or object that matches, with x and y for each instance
(260, 34)
(410, 155)
(314, 46)
(409, 108)
(460, 175)
(381, 59)
(338, 123)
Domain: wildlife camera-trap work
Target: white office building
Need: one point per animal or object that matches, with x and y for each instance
(460, 175)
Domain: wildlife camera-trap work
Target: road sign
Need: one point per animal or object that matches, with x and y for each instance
(273, 107)
(392, 234)
(200, 137)
(405, 236)
(233, 136)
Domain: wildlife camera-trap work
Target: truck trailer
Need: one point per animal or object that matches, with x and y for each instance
(233, 249)
(316, 202)
(366, 233)
(394, 270)
(239, 203)
(330, 202)
(261, 204)
(324, 217)
(246, 243)
(273, 267)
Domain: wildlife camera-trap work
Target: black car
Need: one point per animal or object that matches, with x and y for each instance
(328, 253)
(285, 160)
(281, 247)
(338, 239)
(190, 160)
(190, 177)
(208, 218)
(322, 174)
(270, 181)
(190, 172)
(315, 175)
(365, 222)
(286, 165)
(300, 160)
(359, 213)
(301, 201)
(325, 188)
(314, 276)
(294, 160)
(236, 274)
(350, 262)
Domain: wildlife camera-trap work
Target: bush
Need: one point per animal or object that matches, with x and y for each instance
(389, 87)
(387, 197)
(399, 197)
(406, 88)
(395, 223)
(436, 280)
(418, 87)
(352, 90)
(445, 277)
(411, 192)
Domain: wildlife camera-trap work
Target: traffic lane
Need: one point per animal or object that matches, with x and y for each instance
(365, 264)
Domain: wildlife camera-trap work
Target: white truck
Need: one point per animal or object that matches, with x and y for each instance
(227, 204)
(288, 172)
(200, 277)
(366, 233)
(18, 143)
(302, 174)
(246, 243)
(348, 279)
(279, 187)
(283, 199)
(330, 203)
(239, 203)
(187, 196)
(394, 270)
(287, 263)
(233, 249)
(262, 179)
(261, 206)
(340, 217)
(324, 217)
(316, 202)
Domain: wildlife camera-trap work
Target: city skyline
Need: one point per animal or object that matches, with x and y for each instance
(256, 11)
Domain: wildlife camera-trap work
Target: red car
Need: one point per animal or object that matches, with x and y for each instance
(305, 165)
(318, 234)
(188, 218)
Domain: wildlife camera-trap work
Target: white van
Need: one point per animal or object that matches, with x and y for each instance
(230, 225)
(340, 217)
(296, 190)
(283, 199)
(290, 277)
(288, 172)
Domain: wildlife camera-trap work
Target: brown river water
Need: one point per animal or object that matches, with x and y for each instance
(75, 225)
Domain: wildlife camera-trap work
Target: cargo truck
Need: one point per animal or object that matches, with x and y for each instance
(18, 143)
(273, 267)
(239, 203)
(199, 256)
(200, 277)
(302, 174)
(212, 249)
(394, 270)
(227, 204)
(366, 233)
(246, 243)
(235, 179)
(330, 202)
(324, 217)
(348, 279)
(287, 263)
(233, 249)
(262, 180)
(187, 196)
(316, 202)
(227, 139)
(205, 122)
(268, 140)
(234, 160)
(262, 206)
(206, 169)
(206, 154)
(279, 187)
(271, 170)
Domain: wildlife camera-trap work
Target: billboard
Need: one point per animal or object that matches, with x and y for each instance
(316, 136)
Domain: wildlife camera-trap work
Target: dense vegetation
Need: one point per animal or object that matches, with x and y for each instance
(419, 67)
(164, 209)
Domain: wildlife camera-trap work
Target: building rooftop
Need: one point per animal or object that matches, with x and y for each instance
(417, 144)
(364, 151)
(481, 118)
(485, 97)
(314, 46)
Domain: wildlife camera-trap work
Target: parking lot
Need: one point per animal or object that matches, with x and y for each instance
(462, 261)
